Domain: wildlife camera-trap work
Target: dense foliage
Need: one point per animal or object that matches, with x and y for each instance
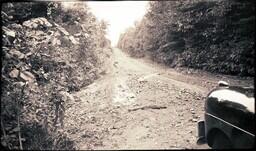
(216, 36)
(48, 52)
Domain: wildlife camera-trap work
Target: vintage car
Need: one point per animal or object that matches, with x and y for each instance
(229, 118)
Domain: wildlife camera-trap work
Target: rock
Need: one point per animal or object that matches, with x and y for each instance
(36, 22)
(5, 49)
(8, 32)
(46, 76)
(138, 91)
(77, 34)
(77, 39)
(19, 84)
(142, 80)
(38, 33)
(28, 54)
(8, 36)
(65, 41)
(73, 40)
(57, 34)
(177, 125)
(16, 53)
(194, 120)
(55, 24)
(27, 76)
(178, 97)
(16, 26)
(56, 41)
(62, 30)
(14, 73)
(50, 33)
(67, 96)
(192, 111)
(4, 15)
(132, 96)
(46, 22)
(30, 24)
(86, 35)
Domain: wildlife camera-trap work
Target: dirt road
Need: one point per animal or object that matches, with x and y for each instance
(140, 105)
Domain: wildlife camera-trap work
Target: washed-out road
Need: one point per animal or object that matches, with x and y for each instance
(139, 104)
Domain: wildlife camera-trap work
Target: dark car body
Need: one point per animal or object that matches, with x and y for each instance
(229, 116)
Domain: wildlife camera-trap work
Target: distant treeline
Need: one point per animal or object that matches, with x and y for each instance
(217, 35)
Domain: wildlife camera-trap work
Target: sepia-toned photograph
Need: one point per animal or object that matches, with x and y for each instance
(127, 75)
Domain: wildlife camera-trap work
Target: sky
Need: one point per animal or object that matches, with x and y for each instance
(119, 14)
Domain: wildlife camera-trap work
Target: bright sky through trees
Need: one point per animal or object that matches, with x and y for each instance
(119, 15)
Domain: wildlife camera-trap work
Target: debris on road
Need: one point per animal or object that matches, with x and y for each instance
(148, 107)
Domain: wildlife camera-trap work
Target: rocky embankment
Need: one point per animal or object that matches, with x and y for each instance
(44, 59)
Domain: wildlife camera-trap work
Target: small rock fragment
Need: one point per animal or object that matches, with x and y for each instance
(19, 84)
(17, 53)
(14, 73)
(178, 97)
(194, 120)
(73, 40)
(78, 34)
(62, 30)
(27, 76)
(8, 32)
(28, 54)
(132, 96)
(192, 111)
(55, 41)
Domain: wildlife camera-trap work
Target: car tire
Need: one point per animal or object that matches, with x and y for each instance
(221, 142)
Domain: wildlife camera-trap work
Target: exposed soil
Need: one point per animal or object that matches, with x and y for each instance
(138, 104)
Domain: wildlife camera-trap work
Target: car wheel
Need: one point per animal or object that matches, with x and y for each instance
(221, 141)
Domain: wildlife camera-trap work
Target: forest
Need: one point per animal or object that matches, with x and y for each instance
(215, 36)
